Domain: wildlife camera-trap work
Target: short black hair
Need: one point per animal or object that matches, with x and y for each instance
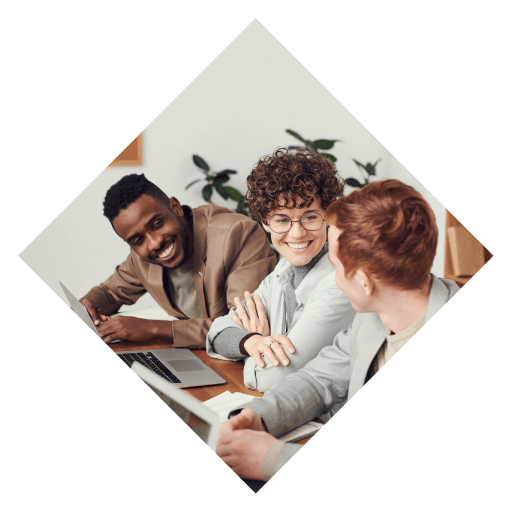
(127, 190)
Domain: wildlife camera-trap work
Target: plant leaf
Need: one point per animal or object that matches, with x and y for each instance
(242, 208)
(221, 190)
(192, 183)
(330, 157)
(296, 135)
(371, 168)
(324, 143)
(207, 192)
(229, 171)
(200, 163)
(233, 193)
(358, 163)
(352, 182)
(220, 178)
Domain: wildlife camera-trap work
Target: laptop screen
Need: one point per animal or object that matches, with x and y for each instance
(198, 425)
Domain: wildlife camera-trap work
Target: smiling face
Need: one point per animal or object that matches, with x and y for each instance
(298, 245)
(157, 232)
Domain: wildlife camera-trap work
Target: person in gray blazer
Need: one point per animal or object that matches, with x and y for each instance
(382, 243)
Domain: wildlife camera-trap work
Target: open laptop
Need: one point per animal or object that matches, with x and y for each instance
(177, 365)
(203, 421)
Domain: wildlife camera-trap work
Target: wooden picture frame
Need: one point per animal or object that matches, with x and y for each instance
(131, 155)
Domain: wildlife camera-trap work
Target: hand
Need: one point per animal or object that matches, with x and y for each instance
(128, 328)
(247, 419)
(97, 318)
(257, 345)
(244, 452)
(256, 321)
(231, 441)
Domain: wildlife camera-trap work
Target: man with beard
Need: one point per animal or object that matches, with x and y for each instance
(193, 262)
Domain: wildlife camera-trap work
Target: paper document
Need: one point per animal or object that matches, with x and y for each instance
(226, 402)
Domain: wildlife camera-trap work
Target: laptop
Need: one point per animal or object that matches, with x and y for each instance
(177, 365)
(203, 421)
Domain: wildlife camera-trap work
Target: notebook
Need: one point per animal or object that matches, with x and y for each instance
(178, 366)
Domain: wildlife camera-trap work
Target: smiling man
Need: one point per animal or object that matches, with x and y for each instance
(193, 262)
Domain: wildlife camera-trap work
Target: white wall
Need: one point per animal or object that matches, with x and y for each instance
(236, 111)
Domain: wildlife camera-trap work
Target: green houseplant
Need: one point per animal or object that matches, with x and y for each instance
(319, 145)
(216, 181)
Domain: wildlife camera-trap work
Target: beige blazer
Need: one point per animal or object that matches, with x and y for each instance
(231, 255)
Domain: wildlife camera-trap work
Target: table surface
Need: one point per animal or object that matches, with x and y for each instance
(230, 371)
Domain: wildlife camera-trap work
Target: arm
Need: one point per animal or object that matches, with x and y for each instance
(128, 328)
(122, 287)
(252, 337)
(327, 312)
(222, 337)
(302, 396)
(248, 259)
(310, 392)
(249, 451)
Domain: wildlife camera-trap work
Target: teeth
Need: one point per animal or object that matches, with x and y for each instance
(167, 252)
(299, 246)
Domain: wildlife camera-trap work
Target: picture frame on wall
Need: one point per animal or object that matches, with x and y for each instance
(131, 155)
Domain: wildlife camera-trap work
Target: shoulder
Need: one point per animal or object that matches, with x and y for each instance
(450, 286)
(321, 279)
(218, 217)
(365, 329)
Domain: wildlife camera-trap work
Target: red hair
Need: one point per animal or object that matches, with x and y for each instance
(388, 230)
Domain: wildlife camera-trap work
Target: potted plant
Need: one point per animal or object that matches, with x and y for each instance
(319, 145)
(216, 181)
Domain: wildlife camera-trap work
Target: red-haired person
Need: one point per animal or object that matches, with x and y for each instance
(382, 242)
(298, 307)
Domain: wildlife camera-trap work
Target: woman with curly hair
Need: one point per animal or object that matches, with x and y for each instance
(298, 307)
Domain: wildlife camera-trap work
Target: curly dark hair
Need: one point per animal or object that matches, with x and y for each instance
(127, 190)
(291, 174)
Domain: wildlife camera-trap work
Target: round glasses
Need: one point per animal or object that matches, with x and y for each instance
(310, 221)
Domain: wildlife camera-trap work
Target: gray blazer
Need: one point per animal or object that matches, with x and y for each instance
(335, 375)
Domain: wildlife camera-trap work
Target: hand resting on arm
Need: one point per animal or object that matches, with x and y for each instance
(255, 320)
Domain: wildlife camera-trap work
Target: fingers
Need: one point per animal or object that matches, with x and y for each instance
(235, 318)
(107, 331)
(253, 315)
(243, 314)
(260, 308)
(91, 310)
(257, 357)
(275, 353)
(271, 347)
(279, 352)
(240, 422)
(263, 325)
(285, 342)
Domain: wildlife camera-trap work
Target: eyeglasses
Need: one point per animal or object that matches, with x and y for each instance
(310, 221)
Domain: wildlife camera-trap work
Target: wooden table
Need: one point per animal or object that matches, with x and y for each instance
(231, 371)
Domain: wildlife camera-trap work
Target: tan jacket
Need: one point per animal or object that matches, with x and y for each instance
(231, 255)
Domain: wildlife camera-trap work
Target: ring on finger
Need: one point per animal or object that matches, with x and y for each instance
(271, 341)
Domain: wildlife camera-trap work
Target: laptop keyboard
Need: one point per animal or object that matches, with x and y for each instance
(149, 361)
